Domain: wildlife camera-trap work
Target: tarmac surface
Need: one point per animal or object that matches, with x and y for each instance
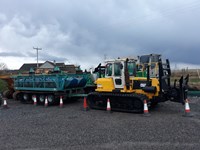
(28, 127)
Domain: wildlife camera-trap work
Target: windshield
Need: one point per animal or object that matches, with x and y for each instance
(109, 70)
(132, 68)
(117, 69)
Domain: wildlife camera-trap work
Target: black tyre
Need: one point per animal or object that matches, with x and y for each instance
(51, 99)
(25, 98)
(17, 95)
(41, 99)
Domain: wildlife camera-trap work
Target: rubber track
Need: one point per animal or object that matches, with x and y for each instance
(119, 101)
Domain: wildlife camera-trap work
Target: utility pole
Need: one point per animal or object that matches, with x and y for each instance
(37, 49)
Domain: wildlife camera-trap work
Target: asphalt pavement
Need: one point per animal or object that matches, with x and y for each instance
(28, 127)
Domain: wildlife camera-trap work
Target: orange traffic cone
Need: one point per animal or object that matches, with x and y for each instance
(108, 105)
(146, 111)
(61, 102)
(46, 102)
(187, 109)
(85, 106)
(34, 100)
(5, 106)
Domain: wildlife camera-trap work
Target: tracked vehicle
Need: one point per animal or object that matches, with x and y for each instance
(127, 89)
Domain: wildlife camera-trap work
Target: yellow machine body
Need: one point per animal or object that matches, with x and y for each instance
(104, 85)
(107, 85)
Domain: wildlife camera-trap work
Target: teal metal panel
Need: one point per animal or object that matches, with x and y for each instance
(50, 82)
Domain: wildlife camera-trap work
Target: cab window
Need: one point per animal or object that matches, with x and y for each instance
(109, 70)
(132, 68)
(117, 69)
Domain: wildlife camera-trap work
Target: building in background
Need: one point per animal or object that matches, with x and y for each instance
(48, 67)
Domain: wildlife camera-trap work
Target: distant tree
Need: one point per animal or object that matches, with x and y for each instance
(3, 66)
(3, 85)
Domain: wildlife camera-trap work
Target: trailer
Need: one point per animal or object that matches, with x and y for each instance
(51, 86)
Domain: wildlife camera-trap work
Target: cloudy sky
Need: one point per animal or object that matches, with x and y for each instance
(84, 32)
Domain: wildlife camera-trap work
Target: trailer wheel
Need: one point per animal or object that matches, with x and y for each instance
(51, 99)
(17, 95)
(41, 99)
(25, 98)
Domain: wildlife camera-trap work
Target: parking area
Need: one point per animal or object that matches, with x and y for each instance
(24, 126)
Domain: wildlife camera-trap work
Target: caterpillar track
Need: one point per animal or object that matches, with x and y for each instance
(119, 101)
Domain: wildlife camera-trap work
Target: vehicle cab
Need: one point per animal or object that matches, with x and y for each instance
(115, 74)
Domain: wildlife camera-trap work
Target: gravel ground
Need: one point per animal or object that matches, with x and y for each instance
(37, 128)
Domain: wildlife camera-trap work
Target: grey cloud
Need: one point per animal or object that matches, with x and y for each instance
(45, 57)
(86, 30)
(11, 54)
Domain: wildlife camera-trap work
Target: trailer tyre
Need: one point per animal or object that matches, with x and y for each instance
(51, 99)
(17, 95)
(25, 98)
(41, 99)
